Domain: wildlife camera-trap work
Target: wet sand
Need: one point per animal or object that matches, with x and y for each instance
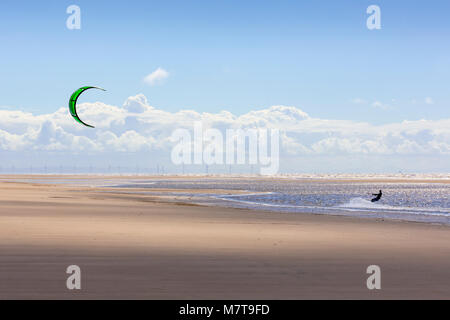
(144, 247)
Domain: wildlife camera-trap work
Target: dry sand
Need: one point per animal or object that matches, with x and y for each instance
(138, 246)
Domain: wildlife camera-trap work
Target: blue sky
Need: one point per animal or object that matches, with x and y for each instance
(232, 55)
(362, 100)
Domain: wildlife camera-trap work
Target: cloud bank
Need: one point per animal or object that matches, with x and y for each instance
(139, 128)
(156, 76)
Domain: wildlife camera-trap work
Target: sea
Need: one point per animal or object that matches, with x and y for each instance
(411, 201)
(418, 198)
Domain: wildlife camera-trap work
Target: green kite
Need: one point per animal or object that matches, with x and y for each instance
(73, 103)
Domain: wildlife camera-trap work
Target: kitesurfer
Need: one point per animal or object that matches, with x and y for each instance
(377, 196)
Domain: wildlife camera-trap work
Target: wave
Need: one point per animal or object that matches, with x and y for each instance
(366, 205)
(360, 203)
(357, 204)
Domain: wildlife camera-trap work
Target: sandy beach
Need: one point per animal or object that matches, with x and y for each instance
(132, 246)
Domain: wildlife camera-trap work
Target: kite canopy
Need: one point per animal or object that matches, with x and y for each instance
(73, 103)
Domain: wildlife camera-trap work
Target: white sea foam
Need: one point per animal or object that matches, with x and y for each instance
(366, 205)
(360, 203)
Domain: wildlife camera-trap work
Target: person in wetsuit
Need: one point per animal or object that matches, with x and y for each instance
(378, 196)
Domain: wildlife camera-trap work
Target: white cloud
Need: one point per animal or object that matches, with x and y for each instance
(375, 104)
(429, 100)
(136, 104)
(156, 77)
(378, 104)
(137, 127)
